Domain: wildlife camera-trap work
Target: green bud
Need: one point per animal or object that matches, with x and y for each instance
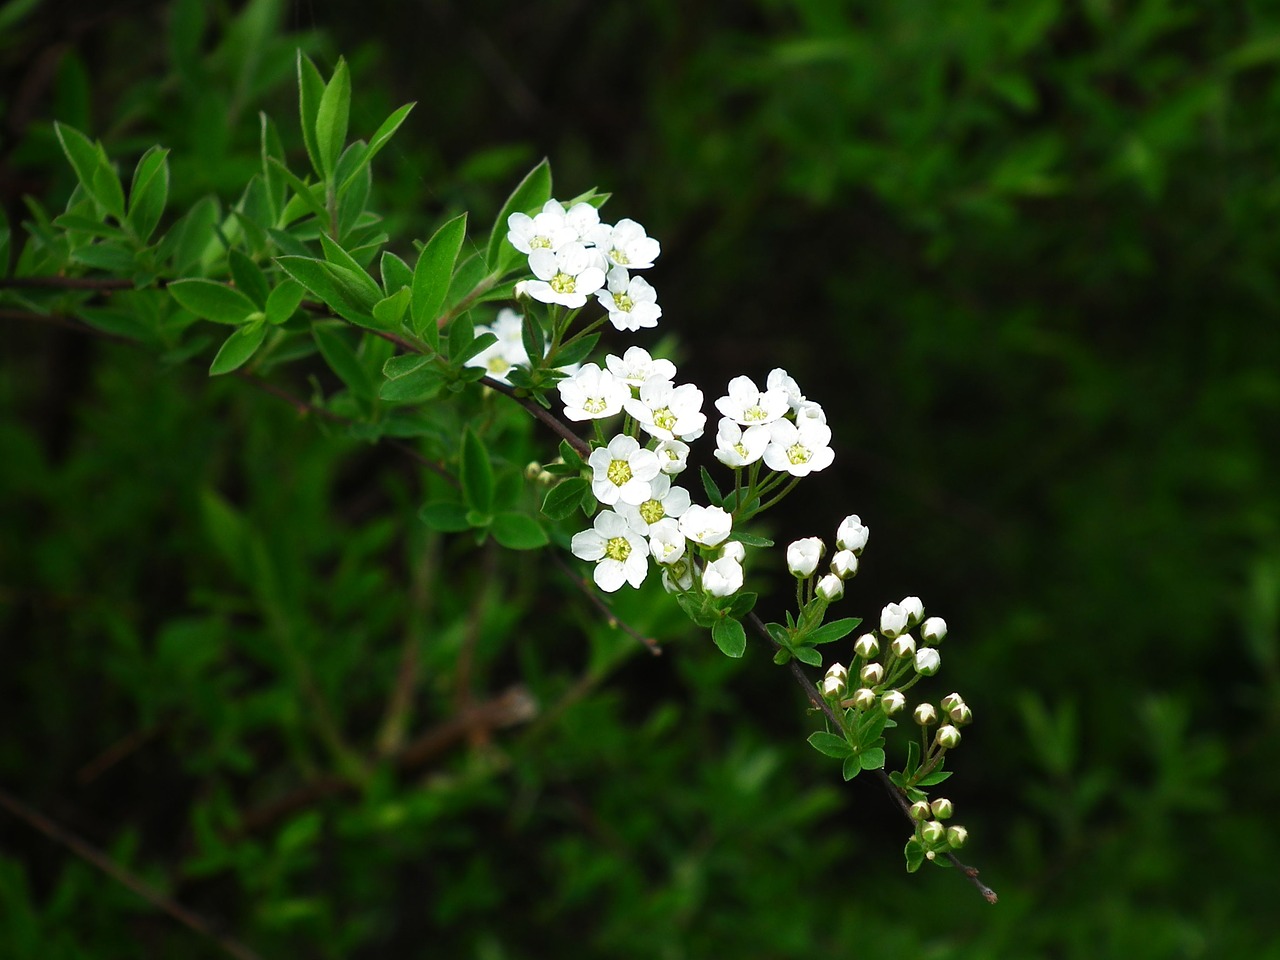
(933, 832)
(892, 702)
(867, 646)
(919, 810)
(957, 837)
(941, 808)
(948, 737)
(871, 674)
(926, 715)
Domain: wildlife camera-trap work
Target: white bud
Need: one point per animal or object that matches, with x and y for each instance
(735, 550)
(803, 556)
(941, 809)
(864, 698)
(948, 737)
(838, 670)
(914, 609)
(871, 674)
(867, 646)
(830, 588)
(893, 702)
(832, 686)
(722, 577)
(904, 646)
(961, 714)
(951, 700)
(926, 715)
(893, 620)
(852, 535)
(844, 564)
(677, 577)
(934, 630)
(927, 661)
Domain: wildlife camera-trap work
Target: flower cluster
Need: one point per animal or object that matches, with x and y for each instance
(776, 425)
(574, 256)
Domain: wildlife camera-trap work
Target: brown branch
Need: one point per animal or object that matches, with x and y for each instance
(99, 284)
(92, 855)
(541, 413)
(592, 594)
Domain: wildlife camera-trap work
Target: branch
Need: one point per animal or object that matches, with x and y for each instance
(592, 594)
(541, 413)
(97, 858)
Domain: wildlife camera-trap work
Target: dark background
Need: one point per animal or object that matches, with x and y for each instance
(1024, 254)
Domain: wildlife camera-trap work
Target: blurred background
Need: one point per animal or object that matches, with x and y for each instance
(1025, 254)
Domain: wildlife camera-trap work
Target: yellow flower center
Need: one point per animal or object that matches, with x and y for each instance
(756, 412)
(498, 364)
(563, 283)
(617, 548)
(798, 453)
(594, 405)
(619, 257)
(540, 243)
(652, 511)
(623, 302)
(619, 472)
(664, 418)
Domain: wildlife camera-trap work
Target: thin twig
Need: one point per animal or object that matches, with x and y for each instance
(541, 413)
(92, 855)
(611, 617)
(99, 284)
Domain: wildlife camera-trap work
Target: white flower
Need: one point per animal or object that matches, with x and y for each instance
(735, 549)
(566, 276)
(619, 552)
(779, 379)
(893, 620)
(914, 609)
(677, 577)
(625, 244)
(665, 501)
(622, 471)
(666, 542)
(748, 406)
(592, 394)
(668, 412)
(927, 661)
(852, 535)
(736, 447)
(934, 630)
(631, 301)
(722, 577)
(508, 351)
(803, 556)
(673, 455)
(810, 410)
(830, 588)
(709, 526)
(550, 229)
(798, 450)
(636, 367)
(844, 564)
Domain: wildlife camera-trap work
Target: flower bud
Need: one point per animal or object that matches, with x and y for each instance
(832, 686)
(831, 588)
(925, 715)
(934, 631)
(893, 620)
(914, 609)
(532, 469)
(871, 674)
(803, 556)
(734, 549)
(941, 809)
(961, 714)
(904, 646)
(867, 646)
(893, 702)
(852, 535)
(927, 662)
(919, 810)
(845, 564)
(950, 701)
(948, 737)
(957, 836)
(723, 577)
(677, 577)
(864, 698)
(933, 832)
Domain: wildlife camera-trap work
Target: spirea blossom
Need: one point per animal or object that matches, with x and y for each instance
(852, 535)
(625, 244)
(665, 502)
(749, 406)
(551, 228)
(738, 447)
(631, 301)
(798, 450)
(666, 542)
(709, 526)
(620, 554)
(592, 394)
(636, 368)
(622, 471)
(566, 276)
(668, 412)
(722, 577)
(673, 456)
(803, 556)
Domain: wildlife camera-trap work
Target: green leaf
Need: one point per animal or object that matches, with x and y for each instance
(238, 348)
(830, 744)
(283, 301)
(411, 378)
(332, 115)
(779, 634)
(531, 335)
(343, 361)
(92, 169)
(807, 655)
(370, 292)
(695, 608)
(564, 498)
(913, 757)
(446, 516)
(304, 193)
(462, 334)
(534, 190)
(729, 637)
(212, 301)
(852, 767)
(872, 759)
(835, 630)
(148, 193)
(377, 142)
(108, 190)
(914, 854)
(712, 491)
(249, 278)
(480, 343)
(782, 657)
(751, 540)
(935, 778)
(311, 90)
(396, 274)
(516, 531)
(433, 272)
(577, 351)
(341, 292)
(743, 603)
(476, 474)
(389, 311)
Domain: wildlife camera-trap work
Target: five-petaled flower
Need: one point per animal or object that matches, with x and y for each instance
(620, 554)
(622, 471)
